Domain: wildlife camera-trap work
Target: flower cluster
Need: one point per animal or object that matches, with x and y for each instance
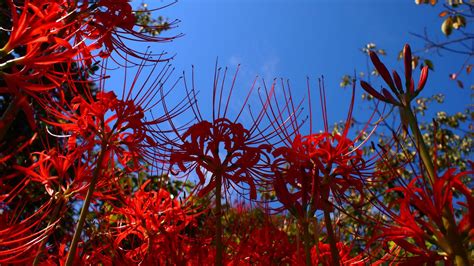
(91, 176)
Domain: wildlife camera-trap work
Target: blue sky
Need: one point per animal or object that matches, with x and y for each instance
(300, 38)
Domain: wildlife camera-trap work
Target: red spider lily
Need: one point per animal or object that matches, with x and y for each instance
(265, 245)
(36, 29)
(117, 127)
(21, 234)
(42, 61)
(201, 147)
(402, 97)
(222, 147)
(61, 175)
(108, 24)
(119, 124)
(317, 166)
(32, 20)
(150, 227)
(321, 255)
(232, 155)
(124, 131)
(50, 37)
(419, 221)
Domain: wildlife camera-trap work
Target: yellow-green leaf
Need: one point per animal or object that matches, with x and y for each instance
(429, 64)
(447, 26)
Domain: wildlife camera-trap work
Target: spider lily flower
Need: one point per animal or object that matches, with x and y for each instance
(231, 154)
(321, 255)
(201, 147)
(419, 222)
(34, 59)
(119, 125)
(50, 36)
(150, 227)
(223, 147)
(401, 95)
(109, 24)
(85, 26)
(317, 170)
(33, 20)
(117, 128)
(42, 49)
(60, 178)
(62, 175)
(317, 166)
(265, 245)
(88, 125)
(19, 233)
(402, 100)
(49, 40)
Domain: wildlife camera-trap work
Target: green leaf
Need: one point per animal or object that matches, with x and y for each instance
(346, 80)
(447, 26)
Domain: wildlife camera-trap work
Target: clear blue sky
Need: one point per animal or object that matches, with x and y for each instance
(299, 38)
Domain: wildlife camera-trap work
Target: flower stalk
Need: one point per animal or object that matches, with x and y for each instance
(85, 207)
(306, 240)
(420, 144)
(454, 246)
(457, 249)
(331, 237)
(219, 247)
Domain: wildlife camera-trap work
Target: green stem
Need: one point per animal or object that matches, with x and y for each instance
(85, 208)
(316, 235)
(298, 240)
(306, 240)
(219, 248)
(331, 237)
(420, 144)
(460, 253)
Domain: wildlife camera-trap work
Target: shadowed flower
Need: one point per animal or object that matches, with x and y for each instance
(222, 148)
(318, 171)
(318, 166)
(205, 142)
